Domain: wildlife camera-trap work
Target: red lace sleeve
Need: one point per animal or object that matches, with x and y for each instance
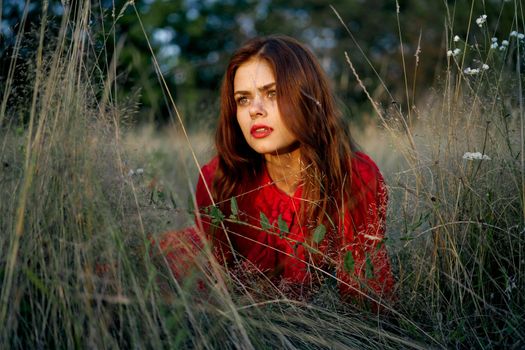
(364, 263)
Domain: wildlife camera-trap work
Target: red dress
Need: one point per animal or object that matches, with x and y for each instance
(270, 236)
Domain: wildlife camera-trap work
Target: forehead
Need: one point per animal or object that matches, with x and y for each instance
(253, 74)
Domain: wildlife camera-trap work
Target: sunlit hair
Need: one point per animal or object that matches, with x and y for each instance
(309, 111)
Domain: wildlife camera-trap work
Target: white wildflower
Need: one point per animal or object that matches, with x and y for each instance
(131, 172)
(505, 43)
(480, 20)
(453, 53)
(475, 156)
(502, 48)
(494, 40)
(485, 66)
(521, 36)
(139, 171)
(471, 71)
(456, 38)
(494, 46)
(514, 33)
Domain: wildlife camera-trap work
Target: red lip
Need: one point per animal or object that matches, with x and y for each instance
(260, 131)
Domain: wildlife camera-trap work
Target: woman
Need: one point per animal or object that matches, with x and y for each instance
(288, 195)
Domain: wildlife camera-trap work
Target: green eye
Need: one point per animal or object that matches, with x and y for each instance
(272, 94)
(241, 101)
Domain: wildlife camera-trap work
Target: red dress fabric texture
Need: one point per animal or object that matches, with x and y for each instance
(268, 235)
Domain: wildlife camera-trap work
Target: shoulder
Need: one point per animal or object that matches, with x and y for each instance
(364, 168)
(211, 165)
(204, 184)
(367, 182)
(369, 194)
(208, 170)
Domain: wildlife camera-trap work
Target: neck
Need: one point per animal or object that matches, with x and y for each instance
(285, 170)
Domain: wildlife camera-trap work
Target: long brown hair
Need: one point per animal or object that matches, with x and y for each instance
(303, 92)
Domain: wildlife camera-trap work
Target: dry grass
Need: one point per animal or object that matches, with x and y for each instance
(75, 260)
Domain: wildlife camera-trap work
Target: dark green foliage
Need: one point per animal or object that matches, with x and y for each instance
(348, 262)
(265, 222)
(369, 267)
(319, 233)
(234, 208)
(216, 215)
(283, 227)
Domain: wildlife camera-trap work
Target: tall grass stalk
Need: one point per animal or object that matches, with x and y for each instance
(519, 63)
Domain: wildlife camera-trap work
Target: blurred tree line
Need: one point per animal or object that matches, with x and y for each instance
(193, 40)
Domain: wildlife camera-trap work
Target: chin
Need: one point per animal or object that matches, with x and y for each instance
(272, 148)
(263, 150)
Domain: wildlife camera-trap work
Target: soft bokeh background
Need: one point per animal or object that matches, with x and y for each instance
(193, 40)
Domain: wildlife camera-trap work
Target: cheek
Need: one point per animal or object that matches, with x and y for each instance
(291, 137)
(287, 134)
(243, 124)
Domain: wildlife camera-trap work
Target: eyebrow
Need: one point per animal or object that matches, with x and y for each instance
(262, 88)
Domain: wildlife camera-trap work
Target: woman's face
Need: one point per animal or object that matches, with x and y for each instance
(258, 115)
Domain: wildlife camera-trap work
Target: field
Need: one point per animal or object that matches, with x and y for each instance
(83, 190)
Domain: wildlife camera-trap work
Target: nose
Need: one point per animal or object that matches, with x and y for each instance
(257, 108)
